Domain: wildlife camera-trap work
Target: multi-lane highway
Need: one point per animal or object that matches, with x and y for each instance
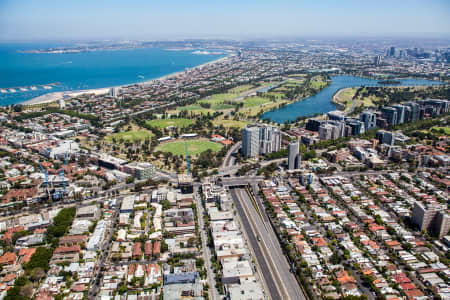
(274, 268)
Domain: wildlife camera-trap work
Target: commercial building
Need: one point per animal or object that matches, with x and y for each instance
(294, 158)
(234, 270)
(59, 152)
(127, 205)
(110, 162)
(91, 212)
(97, 238)
(314, 124)
(140, 171)
(331, 130)
(336, 115)
(385, 137)
(432, 218)
(185, 183)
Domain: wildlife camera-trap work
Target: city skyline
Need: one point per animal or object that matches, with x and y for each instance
(75, 20)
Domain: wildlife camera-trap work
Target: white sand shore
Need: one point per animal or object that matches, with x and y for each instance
(55, 96)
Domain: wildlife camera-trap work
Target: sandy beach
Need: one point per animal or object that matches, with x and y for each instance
(55, 96)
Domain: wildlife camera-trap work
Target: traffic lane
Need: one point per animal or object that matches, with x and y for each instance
(270, 240)
(260, 258)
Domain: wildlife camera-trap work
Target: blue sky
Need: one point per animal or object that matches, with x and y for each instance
(157, 19)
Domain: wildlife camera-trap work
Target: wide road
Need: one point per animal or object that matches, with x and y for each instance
(275, 269)
(261, 259)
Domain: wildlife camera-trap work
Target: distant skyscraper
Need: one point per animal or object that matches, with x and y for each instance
(62, 103)
(113, 92)
(260, 139)
(377, 60)
(392, 51)
(294, 158)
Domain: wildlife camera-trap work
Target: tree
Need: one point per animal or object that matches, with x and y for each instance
(40, 259)
(165, 204)
(27, 291)
(309, 155)
(130, 179)
(37, 274)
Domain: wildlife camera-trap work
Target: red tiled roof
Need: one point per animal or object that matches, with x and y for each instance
(63, 249)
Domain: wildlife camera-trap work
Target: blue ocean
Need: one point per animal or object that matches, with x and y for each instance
(24, 76)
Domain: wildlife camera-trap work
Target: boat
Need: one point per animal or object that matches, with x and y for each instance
(47, 87)
(12, 90)
(23, 89)
(33, 88)
(3, 91)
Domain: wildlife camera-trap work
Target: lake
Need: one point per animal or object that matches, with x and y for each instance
(321, 102)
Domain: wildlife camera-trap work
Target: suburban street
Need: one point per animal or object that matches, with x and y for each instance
(212, 291)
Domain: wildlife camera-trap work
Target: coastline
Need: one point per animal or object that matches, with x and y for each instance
(55, 96)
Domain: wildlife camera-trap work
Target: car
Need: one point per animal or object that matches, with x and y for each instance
(258, 238)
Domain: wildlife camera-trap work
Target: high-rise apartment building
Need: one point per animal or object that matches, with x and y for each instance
(294, 158)
(400, 113)
(260, 139)
(369, 118)
(269, 139)
(390, 114)
(431, 218)
(250, 141)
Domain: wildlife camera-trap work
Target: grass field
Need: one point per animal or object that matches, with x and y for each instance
(195, 147)
(163, 123)
(318, 84)
(130, 136)
(438, 129)
(346, 95)
(218, 98)
(255, 101)
(240, 89)
(253, 111)
(230, 123)
(191, 107)
(194, 108)
(222, 106)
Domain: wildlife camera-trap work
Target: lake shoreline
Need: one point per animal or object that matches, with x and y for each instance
(321, 103)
